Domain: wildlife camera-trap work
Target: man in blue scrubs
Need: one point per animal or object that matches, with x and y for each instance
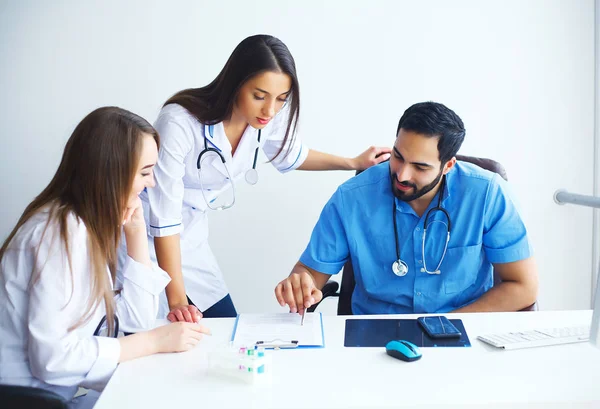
(399, 269)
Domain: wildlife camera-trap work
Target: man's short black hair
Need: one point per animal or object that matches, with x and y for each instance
(435, 120)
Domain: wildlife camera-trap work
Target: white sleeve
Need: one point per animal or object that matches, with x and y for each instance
(294, 152)
(137, 302)
(166, 198)
(56, 302)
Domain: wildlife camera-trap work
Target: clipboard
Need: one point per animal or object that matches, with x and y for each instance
(279, 331)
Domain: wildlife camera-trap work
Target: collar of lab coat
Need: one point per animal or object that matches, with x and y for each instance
(243, 157)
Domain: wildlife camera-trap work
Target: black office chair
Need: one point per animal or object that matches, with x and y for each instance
(330, 289)
(21, 397)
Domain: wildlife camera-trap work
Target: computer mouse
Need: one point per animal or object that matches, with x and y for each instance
(403, 350)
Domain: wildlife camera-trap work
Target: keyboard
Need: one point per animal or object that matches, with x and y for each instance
(537, 338)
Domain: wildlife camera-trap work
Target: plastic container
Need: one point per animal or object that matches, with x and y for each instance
(247, 364)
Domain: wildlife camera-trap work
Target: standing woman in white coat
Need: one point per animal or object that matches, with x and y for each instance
(211, 136)
(57, 266)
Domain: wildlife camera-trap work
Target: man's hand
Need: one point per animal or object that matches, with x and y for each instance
(298, 291)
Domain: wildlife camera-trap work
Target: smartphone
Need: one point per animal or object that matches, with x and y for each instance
(438, 327)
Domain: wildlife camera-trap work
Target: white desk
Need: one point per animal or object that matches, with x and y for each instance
(337, 377)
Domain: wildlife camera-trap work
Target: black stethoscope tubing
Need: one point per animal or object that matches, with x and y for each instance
(399, 267)
(102, 321)
(218, 151)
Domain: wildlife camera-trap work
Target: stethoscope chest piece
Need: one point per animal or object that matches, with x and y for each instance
(251, 176)
(400, 268)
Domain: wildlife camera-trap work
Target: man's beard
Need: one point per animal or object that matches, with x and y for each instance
(406, 197)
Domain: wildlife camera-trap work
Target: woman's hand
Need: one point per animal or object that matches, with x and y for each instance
(185, 313)
(372, 156)
(134, 216)
(136, 237)
(178, 336)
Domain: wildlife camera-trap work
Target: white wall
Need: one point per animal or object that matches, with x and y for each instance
(519, 73)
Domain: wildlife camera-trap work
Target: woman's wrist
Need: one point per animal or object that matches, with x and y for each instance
(135, 232)
(175, 292)
(178, 303)
(153, 338)
(139, 344)
(177, 300)
(352, 163)
(136, 241)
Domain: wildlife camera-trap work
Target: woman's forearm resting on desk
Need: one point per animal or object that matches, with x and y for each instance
(517, 290)
(174, 337)
(324, 161)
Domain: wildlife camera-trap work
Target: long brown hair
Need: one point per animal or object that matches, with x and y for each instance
(93, 181)
(254, 55)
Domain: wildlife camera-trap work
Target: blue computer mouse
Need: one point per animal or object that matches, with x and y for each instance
(404, 350)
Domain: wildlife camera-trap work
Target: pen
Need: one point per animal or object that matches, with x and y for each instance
(303, 315)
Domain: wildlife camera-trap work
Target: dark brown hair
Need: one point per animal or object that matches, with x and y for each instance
(254, 55)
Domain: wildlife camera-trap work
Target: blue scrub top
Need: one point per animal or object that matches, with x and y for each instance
(357, 223)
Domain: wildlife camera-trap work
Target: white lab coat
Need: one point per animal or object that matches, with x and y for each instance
(36, 348)
(176, 204)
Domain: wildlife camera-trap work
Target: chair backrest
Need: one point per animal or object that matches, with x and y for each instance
(17, 397)
(348, 282)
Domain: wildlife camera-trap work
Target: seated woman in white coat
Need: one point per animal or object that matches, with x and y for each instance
(57, 266)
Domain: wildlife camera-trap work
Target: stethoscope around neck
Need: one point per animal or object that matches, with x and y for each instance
(251, 175)
(399, 267)
(102, 326)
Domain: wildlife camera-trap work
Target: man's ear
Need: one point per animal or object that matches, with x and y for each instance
(449, 165)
